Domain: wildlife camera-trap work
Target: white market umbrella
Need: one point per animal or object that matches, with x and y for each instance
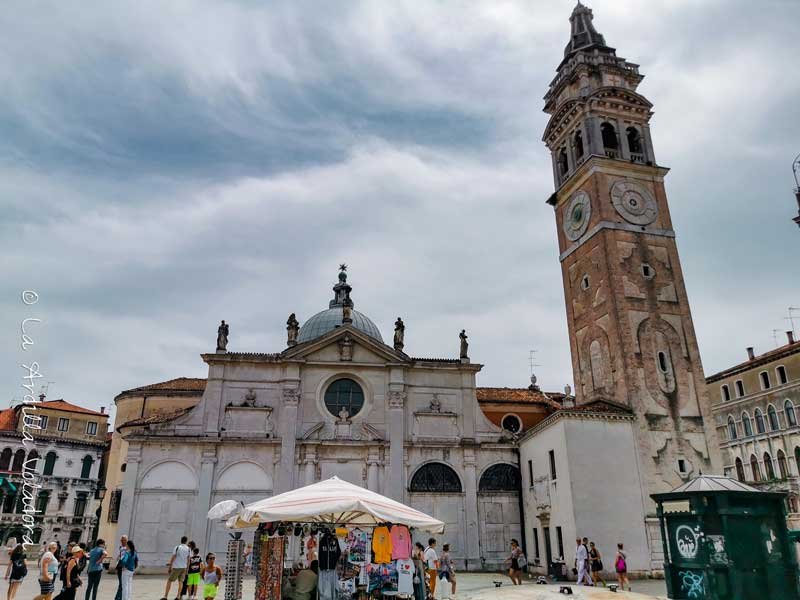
(332, 501)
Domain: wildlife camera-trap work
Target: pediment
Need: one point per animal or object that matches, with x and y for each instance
(345, 344)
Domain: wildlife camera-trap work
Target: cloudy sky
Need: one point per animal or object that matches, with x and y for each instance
(164, 165)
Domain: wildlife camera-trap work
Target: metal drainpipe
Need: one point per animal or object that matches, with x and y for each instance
(521, 503)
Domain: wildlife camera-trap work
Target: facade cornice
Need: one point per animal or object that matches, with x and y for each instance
(758, 361)
(574, 414)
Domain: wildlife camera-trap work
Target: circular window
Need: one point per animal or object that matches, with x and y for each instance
(512, 423)
(344, 395)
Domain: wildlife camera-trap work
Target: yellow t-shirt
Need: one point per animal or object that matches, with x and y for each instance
(382, 545)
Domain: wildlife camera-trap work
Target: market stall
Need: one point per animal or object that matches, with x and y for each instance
(359, 541)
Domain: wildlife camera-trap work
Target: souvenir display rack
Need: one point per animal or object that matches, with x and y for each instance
(234, 567)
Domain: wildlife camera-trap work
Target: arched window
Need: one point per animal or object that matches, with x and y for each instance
(634, 140)
(5, 459)
(344, 394)
(726, 393)
(772, 415)
(86, 467)
(760, 426)
(563, 162)
(500, 478)
(746, 424)
(19, 461)
(609, 135)
(740, 470)
(769, 470)
(788, 409)
(731, 428)
(49, 463)
(578, 145)
(435, 477)
(33, 459)
(512, 423)
(783, 468)
(754, 468)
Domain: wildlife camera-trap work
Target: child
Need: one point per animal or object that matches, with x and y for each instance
(193, 573)
(212, 575)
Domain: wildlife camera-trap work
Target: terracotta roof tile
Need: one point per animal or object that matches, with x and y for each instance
(8, 419)
(518, 396)
(180, 384)
(156, 418)
(68, 407)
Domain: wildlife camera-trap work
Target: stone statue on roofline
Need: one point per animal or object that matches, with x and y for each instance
(222, 337)
(399, 334)
(292, 329)
(464, 344)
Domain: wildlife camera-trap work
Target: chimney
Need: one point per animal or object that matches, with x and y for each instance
(102, 410)
(790, 336)
(750, 354)
(42, 397)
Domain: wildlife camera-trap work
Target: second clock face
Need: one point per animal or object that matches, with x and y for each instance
(576, 215)
(634, 202)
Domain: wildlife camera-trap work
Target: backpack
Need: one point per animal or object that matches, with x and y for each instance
(621, 565)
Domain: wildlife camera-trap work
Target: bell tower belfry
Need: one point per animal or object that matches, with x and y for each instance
(631, 334)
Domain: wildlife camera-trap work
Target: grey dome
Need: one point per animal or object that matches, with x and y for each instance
(331, 318)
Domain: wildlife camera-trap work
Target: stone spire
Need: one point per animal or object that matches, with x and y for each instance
(584, 36)
(341, 291)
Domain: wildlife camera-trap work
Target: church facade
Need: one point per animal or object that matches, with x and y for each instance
(336, 401)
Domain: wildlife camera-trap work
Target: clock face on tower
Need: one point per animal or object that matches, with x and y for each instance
(634, 202)
(576, 215)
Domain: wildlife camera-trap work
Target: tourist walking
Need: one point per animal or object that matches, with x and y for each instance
(596, 562)
(418, 556)
(121, 550)
(185, 585)
(48, 569)
(431, 565)
(71, 574)
(582, 563)
(621, 567)
(513, 561)
(16, 570)
(193, 573)
(212, 575)
(95, 569)
(176, 568)
(130, 562)
(447, 569)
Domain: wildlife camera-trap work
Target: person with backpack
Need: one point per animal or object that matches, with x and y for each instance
(176, 568)
(621, 567)
(95, 571)
(16, 570)
(130, 562)
(71, 575)
(193, 573)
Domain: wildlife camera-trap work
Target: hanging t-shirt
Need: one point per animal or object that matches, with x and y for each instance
(401, 542)
(405, 577)
(358, 541)
(382, 545)
(329, 552)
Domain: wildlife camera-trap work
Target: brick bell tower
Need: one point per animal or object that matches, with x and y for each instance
(631, 333)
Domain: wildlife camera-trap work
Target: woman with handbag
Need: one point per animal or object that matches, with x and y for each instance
(597, 564)
(515, 569)
(447, 569)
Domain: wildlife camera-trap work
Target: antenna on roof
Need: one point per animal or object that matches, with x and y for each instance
(775, 336)
(791, 317)
(533, 363)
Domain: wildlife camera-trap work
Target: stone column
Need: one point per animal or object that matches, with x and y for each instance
(595, 137)
(373, 461)
(649, 153)
(288, 432)
(200, 523)
(625, 151)
(473, 551)
(395, 417)
(125, 521)
(310, 465)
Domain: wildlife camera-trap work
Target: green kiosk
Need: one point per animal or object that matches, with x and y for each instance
(724, 540)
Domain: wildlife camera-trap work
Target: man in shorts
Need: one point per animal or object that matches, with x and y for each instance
(176, 568)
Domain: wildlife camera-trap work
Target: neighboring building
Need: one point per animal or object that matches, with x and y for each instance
(580, 478)
(336, 401)
(630, 327)
(69, 448)
(756, 406)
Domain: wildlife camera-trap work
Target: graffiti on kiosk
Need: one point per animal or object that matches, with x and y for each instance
(686, 539)
(692, 584)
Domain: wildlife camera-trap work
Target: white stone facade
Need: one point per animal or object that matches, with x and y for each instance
(262, 427)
